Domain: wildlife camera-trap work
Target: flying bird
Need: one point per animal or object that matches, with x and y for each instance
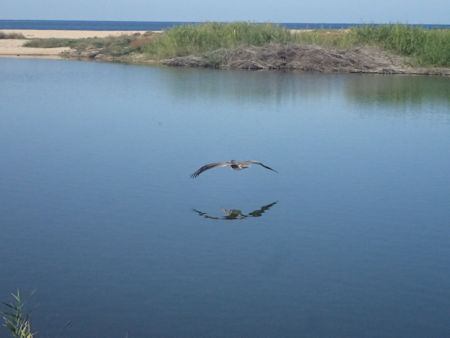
(232, 164)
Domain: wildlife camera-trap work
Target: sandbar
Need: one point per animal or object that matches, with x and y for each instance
(14, 47)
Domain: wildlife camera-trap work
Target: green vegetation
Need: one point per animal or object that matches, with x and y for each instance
(51, 43)
(112, 45)
(16, 320)
(11, 36)
(335, 38)
(426, 47)
(197, 39)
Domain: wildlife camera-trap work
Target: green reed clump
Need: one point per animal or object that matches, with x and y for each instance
(196, 39)
(15, 319)
(436, 49)
(426, 47)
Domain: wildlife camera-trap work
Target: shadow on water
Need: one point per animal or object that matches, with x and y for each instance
(236, 214)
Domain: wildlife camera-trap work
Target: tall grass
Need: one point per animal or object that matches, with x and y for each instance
(197, 39)
(426, 47)
(336, 38)
(16, 320)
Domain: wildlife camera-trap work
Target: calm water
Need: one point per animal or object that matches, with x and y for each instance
(99, 215)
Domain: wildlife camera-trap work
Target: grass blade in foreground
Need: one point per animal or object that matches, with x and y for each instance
(16, 320)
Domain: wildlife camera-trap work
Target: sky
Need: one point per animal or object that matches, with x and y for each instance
(311, 11)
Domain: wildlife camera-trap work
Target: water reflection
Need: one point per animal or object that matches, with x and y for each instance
(236, 214)
(244, 86)
(398, 90)
(367, 89)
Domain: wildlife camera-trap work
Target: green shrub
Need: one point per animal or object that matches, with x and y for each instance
(50, 43)
(4, 35)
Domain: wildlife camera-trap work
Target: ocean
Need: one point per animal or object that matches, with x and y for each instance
(152, 25)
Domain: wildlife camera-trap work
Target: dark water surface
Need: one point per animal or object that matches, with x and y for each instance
(99, 215)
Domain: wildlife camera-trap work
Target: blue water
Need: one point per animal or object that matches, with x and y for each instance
(151, 25)
(99, 215)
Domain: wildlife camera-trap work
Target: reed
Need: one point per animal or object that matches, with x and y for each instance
(335, 38)
(197, 39)
(426, 47)
(15, 319)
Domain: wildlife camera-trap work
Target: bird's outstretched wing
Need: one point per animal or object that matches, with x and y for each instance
(204, 214)
(209, 166)
(262, 165)
(259, 212)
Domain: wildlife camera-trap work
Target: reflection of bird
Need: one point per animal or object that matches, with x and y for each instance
(258, 213)
(234, 214)
(232, 164)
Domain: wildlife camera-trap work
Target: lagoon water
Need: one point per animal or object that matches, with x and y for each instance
(98, 213)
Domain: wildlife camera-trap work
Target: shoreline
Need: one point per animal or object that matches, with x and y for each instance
(13, 48)
(307, 58)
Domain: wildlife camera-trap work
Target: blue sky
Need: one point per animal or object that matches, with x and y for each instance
(314, 11)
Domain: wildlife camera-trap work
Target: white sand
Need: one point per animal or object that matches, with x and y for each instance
(43, 34)
(13, 48)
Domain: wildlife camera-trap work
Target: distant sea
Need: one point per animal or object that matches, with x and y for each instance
(151, 25)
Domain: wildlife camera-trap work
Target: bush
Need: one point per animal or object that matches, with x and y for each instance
(11, 35)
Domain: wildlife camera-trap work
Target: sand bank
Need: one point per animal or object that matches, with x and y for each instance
(14, 47)
(69, 34)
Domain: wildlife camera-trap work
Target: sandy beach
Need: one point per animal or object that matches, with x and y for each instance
(14, 47)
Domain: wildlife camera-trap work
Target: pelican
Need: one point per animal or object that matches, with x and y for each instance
(232, 164)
